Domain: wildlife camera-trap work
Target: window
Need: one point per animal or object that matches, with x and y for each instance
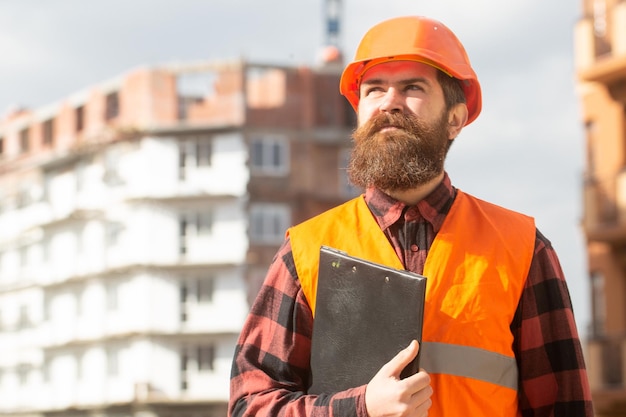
(112, 158)
(196, 358)
(80, 307)
(80, 170)
(194, 291)
(206, 357)
(113, 296)
(113, 233)
(45, 251)
(194, 152)
(197, 289)
(79, 115)
(112, 109)
(23, 252)
(193, 87)
(268, 223)
(182, 235)
(45, 372)
(269, 155)
(183, 301)
(23, 372)
(203, 153)
(193, 224)
(183, 292)
(24, 320)
(28, 193)
(113, 358)
(79, 366)
(205, 287)
(24, 140)
(203, 222)
(183, 369)
(598, 303)
(48, 132)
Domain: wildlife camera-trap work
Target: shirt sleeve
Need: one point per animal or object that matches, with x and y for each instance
(270, 371)
(553, 379)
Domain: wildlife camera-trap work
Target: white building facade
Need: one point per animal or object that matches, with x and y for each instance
(127, 264)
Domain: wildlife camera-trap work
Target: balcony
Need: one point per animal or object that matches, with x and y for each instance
(601, 41)
(607, 373)
(604, 217)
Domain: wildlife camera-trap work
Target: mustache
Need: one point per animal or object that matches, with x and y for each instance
(397, 120)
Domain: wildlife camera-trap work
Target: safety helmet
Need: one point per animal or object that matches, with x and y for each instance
(413, 38)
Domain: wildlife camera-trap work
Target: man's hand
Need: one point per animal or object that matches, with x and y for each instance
(387, 395)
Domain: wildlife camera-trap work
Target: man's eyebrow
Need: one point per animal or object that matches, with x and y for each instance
(416, 80)
(407, 81)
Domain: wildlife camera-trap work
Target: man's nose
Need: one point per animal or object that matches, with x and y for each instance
(391, 102)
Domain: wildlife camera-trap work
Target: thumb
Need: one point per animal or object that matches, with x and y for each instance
(396, 365)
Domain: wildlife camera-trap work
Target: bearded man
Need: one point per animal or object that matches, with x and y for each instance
(499, 336)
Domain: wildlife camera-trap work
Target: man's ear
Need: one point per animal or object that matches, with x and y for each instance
(457, 117)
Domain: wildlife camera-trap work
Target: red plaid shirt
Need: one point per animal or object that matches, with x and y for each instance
(270, 373)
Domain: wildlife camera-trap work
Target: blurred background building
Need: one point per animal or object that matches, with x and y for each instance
(600, 45)
(137, 221)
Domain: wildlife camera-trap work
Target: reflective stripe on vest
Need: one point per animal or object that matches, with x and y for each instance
(470, 362)
(476, 270)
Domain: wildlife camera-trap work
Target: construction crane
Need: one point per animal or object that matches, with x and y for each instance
(331, 52)
(333, 22)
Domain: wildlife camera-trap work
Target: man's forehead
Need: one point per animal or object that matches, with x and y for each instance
(397, 70)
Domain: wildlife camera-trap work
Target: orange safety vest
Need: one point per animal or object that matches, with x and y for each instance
(476, 270)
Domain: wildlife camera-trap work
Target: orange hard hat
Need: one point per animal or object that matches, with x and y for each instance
(413, 38)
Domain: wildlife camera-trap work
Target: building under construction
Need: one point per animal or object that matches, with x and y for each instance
(600, 45)
(138, 218)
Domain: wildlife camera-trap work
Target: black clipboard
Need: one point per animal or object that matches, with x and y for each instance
(365, 314)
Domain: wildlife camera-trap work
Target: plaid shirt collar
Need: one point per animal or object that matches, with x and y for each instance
(432, 209)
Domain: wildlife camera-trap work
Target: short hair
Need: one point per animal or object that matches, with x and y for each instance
(452, 91)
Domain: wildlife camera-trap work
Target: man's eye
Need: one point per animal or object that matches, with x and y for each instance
(373, 91)
(414, 87)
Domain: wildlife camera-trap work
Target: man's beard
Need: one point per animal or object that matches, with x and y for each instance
(400, 159)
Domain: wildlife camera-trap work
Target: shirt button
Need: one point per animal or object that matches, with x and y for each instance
(414, 248)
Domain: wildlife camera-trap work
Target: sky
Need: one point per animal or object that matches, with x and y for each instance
(525, 151)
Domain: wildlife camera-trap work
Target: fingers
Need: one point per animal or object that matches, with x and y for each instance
(388, 395)
(422, 401)
(420, 386)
